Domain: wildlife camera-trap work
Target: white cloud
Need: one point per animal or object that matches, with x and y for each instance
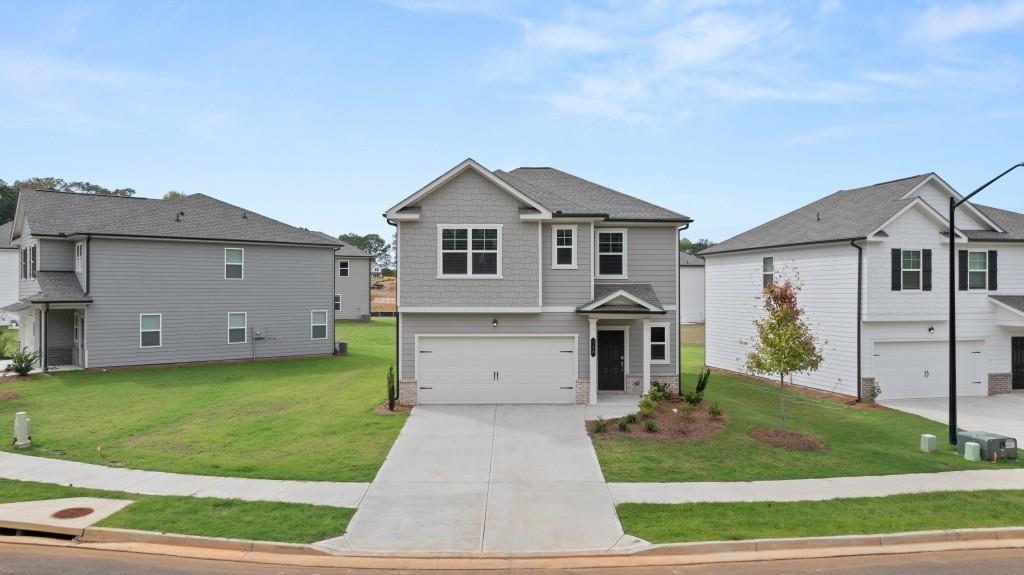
(710, 37)
(830, 7)
(563, 37)
(940, 23)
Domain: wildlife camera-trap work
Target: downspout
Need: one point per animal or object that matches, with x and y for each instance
(398, 322)
(679, 303)
(88, 263)
(46, 337)
(860, 295)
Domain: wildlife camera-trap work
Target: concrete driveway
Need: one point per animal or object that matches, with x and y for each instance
(1003, 414)
(488, 479)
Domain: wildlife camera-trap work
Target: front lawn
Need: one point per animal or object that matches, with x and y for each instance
(231, 518)
(859, 440)
(857, 516)
(310, 419)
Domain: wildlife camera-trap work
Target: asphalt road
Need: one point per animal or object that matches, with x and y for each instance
(32, 560)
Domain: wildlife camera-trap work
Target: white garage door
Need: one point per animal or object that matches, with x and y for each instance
(504, 369)
(907, 370)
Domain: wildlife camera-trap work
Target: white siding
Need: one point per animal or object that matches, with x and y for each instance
(691, 288)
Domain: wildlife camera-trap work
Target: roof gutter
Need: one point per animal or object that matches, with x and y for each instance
(398, 322)
(706, 253)
(190, 239)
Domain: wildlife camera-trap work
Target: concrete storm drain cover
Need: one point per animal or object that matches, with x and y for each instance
(72, 513)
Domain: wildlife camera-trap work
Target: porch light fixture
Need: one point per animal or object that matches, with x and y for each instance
(494, 322)
(931, 329)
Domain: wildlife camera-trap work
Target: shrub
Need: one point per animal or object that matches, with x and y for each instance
(8, 343)
(392, 389)
(689, 408)
(600, 426)
(715, 410)
(623, 426)
(650, 426)
(647, 406)
(23, 361)
(702, 380)
(631, 418)
(693, 398)
(659, 391)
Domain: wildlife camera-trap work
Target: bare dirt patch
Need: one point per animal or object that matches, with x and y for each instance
(785, 439)
(8, 395)
(73, 513)
(670, 425)
(383, 409)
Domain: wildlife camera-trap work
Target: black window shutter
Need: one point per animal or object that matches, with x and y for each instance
(897, 269)
(993, 270)
(926, 270)
(962, 264)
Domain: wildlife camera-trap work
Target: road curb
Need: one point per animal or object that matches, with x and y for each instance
(112, 535)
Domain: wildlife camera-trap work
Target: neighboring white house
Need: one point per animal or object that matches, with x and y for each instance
(8, 274)
(691, 288)
(894, 237)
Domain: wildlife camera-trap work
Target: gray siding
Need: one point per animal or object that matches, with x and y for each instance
(354, 289)
(26, 287)
(469, 199)
(636, 345)
(564, 287)
(56, 255)
(548, 323)
(651, 258)
(185, 282)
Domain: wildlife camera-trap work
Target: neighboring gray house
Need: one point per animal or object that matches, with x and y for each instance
(112, 281)
(351, 283)
(533, 286)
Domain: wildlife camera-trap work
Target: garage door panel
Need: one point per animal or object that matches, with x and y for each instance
(906, 370)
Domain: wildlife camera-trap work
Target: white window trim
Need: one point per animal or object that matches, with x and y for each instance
(919, 270)
(327, 320)
(245, 327)
(348, 268)
(160, 331)
(625, 251)
(226, 263)
(984, 272)
(667, 344)
(469, 275)
(79, 256)
(554, 247)
(764, 273)
(337, 302)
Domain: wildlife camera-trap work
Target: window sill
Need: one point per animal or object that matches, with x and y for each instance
(608, 277)
(469, 277)
(572, 267)
(660, 362)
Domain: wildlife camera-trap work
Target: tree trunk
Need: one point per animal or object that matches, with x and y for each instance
(782, 399)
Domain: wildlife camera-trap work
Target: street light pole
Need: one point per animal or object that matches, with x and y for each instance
(953, 205)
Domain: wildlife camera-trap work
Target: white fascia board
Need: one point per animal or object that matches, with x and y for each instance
(431, 309)
(619, 293)
(928, 209)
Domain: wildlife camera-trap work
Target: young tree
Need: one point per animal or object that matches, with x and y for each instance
(784, 343)
(692, 247)
(174, 195)
(372, 244)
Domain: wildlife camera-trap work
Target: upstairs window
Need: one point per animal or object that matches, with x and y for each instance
(767, 271)
(234, 263)
(342, 268)
(337, 302)
(237, 327)
(467, 251)
(318, 324)
(80, 256)
(977, 270)
(911, 274)
(150, 329)
(563, 247)
(24, 263)
(611, 254)
(659, 343)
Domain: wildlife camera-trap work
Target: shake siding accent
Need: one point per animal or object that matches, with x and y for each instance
(651, 256)
(56, 255)
(185, 282)
(564, 287)
(828, 275)
(469, 199)
(354, 289)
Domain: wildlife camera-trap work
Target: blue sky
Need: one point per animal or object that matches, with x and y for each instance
(325, 114)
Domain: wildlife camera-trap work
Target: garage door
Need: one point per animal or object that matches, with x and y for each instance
(906, 370)
(504, 369)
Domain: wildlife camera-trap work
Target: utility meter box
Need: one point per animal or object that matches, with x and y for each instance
(259, 333)
(992, 445)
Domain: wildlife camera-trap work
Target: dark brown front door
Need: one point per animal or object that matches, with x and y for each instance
(1017, 362)
(611, 355)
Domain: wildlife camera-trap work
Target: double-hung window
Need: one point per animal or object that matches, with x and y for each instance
(318, 324)
(238, 327)
(80, 257)
(977, 270)
(910, 276)
(28, 262)
(24, 263)
(234, 263)
(611, 254)
(342, 268)
(563, 247)
(150, 329)
(659, 343)
(337, 302)
(469, 251)
(767, 271)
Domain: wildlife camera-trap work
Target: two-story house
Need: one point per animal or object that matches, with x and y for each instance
(873, 269)
(352, 277)
(112, 281)
(533, 286)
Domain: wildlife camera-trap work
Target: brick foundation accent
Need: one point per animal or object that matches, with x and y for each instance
(999, 383)
(583, 390)
(671, 381)
(867, 389)
(634, 383)
(407, 392)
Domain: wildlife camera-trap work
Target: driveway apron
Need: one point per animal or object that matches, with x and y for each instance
(488, 479)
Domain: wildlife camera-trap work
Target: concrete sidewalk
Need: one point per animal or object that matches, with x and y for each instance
(73, 473)
(816, 489)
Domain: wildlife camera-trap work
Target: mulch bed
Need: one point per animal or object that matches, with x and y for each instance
(6, 395)
(671, 425)
(791, 440)
(383, 409)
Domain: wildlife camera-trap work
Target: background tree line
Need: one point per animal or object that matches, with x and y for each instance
(9, 192)
(374, 245)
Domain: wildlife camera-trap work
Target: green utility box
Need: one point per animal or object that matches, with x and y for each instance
(992, 445)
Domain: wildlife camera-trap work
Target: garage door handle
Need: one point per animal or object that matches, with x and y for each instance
(426, 388)
(425, 351)
(570, 387)
(567, 351)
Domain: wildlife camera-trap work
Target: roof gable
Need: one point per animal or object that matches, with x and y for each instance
(919, 205)
(937, 192)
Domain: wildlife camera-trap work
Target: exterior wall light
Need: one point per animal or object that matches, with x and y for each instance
(931, 329)
(494, 322)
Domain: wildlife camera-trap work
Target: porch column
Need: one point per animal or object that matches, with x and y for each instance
(592, 352)
(647, 355)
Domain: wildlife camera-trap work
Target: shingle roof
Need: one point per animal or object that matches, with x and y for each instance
(686, 259)
(1014, 301)
(56, 213)
(351, 252)
(568, 195)
(643, 291)
(846, 214)
(5, 236)
(1011, 222)
(58, 287)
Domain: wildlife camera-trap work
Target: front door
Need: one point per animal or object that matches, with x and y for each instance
(611, 360)
(1017, 362)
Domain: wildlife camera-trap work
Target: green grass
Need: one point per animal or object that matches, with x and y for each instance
(232, 518)
(861, 441)
(306, 419)
(858, 516)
